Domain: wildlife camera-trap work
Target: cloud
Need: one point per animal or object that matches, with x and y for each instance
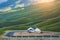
(6, 9)
(19, 5)
(18, 1)
(40, 1)
(1, 1)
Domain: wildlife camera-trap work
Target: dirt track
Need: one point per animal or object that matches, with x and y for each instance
(25, 33)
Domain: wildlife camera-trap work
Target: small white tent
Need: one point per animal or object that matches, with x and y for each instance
(37, 30)
(30, 29)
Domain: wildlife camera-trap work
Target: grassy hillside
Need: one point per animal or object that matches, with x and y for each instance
(45, 16)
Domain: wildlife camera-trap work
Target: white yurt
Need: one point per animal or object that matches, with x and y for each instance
(30, 29)
(37, 30)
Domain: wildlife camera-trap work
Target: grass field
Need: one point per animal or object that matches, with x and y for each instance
(45, 16)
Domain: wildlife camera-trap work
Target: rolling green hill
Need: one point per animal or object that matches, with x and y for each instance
(45, 16)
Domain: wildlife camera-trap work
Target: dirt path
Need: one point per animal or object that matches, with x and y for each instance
(25, 33)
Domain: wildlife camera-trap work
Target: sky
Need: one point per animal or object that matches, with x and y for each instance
(6, 3)
(11, 4)
(1, 1)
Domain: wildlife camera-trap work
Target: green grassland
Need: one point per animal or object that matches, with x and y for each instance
(45, 16)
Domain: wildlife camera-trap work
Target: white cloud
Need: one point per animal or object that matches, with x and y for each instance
(19, 5)
(6, 9)
(18, 1)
